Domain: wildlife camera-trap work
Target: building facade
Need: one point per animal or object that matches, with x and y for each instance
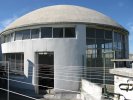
(63, 36)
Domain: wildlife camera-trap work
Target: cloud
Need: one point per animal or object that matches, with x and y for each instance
(6, 22)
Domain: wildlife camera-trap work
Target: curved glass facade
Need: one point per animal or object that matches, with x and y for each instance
(102, 46)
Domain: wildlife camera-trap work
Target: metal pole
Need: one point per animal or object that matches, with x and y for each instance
(8, 82)
(104, 72)
(114, 58)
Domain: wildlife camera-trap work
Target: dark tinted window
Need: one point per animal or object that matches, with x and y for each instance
(90, 33)
(34, 33)
(100, 33)
(69, 32)
(57, 32)
(46, 32)
(7, 57)
(26, 34)
(90, 41)
(108, 34)
(100, 43)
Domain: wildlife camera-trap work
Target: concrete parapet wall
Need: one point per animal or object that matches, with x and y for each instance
(123, 82)
(90, 91)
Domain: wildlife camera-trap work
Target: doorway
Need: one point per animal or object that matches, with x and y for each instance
(45, 70)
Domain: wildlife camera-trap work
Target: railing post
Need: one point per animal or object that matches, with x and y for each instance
(8, 82)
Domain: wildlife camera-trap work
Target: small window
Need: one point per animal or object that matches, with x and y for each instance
(18, 35)
(69, 32)
(46, 32)
(100, 43)
(90, 43)
(7, 38)
(12, 36)
(3, 39)
(34, 33)
(26, 34)
(100, 33)
(57, 32)
(90, 33)
(16, 62)
(108, 34)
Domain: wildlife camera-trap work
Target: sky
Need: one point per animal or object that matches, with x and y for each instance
(119, 10)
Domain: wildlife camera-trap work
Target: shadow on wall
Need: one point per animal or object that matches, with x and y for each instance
(24, 82)
(30, 70)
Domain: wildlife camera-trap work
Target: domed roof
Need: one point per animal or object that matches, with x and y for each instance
(63, 14)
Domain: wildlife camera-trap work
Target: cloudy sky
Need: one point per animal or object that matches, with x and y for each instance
(119, 10)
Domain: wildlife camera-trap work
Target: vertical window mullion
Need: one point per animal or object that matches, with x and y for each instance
(63, 32)
(22, 36)
(40, 33)
(52, 32)
(30, 33)
(15, 36)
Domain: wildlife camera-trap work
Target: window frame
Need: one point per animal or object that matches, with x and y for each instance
(71, 33)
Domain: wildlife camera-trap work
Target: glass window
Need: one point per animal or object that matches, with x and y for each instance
(57, 32)
(26, 34)
(16, 62)
(100, 43)
(12, 36)
(90, 33)
(123, 42)
(3, 39)
(12, 58)
(100, 33)
(90, 43)
(7, 38)
(108, 34)
(69, 32)
(18, 35)
(46, 32)
(34, 33)
(108, 44)
(7, 57)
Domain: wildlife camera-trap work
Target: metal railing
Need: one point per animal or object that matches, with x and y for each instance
(20, 86)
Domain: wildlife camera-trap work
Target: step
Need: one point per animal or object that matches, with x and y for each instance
(62, 96)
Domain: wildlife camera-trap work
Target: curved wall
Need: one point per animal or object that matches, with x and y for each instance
(68, 52)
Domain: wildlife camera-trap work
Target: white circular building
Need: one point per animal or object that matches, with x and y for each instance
(64, 38)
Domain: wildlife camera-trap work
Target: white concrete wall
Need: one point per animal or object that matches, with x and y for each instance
(119, 80)
(90, 91)
(67, 52)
